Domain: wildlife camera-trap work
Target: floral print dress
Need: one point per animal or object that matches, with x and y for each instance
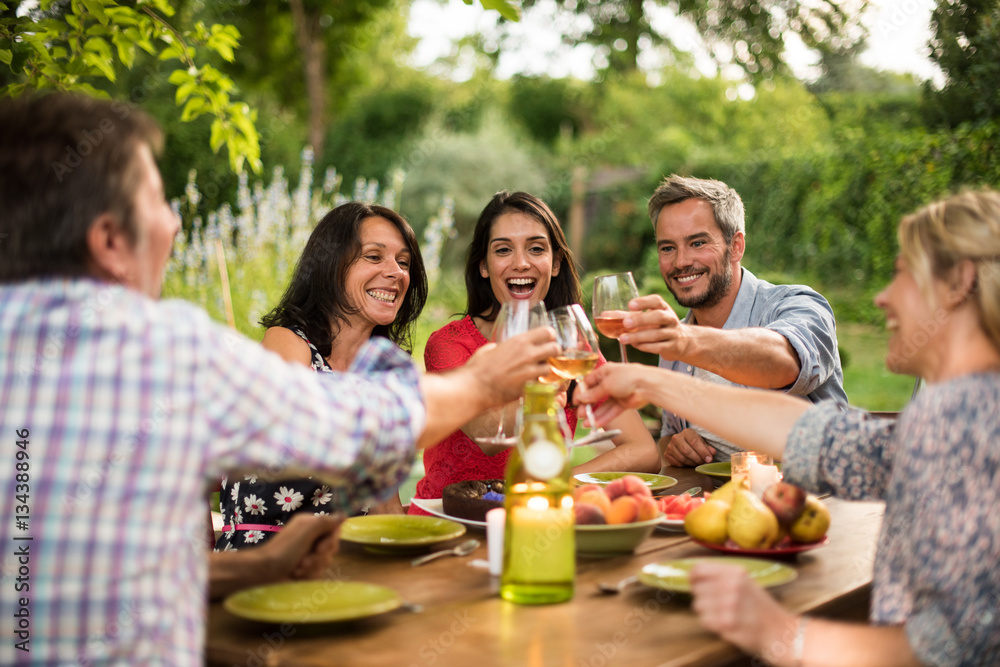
(253, 510)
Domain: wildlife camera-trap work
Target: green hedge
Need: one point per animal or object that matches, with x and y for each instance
(827, 219)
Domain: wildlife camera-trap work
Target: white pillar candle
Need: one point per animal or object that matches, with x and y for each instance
(762, 476)
(494, 539)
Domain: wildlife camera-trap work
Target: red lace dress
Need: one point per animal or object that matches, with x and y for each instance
(458, 458)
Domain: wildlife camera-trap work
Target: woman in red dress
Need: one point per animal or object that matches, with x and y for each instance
(518, 251)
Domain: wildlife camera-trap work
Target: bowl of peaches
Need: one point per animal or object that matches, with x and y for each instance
(615, 518)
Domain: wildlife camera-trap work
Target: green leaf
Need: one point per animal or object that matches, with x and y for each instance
(162, 6)
(185, 91)
(195, 107)
(126, 49)
(6, 56)
(180, 76)
(218, 136)
(96, 7)
(509, 9)
(100, 64)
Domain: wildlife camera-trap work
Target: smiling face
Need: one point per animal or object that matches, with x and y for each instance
(378, 279)
(519, 261)
(911, 321)
(696, 263)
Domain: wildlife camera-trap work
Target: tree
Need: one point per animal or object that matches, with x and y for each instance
(749, 33)
(73, 45)
(966, 46)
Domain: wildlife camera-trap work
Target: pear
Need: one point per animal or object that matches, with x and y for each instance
(726, 492)
(751, 524)
(707, 522)
(812, 523)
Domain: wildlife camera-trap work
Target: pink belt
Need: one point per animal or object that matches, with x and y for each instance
(266, 527)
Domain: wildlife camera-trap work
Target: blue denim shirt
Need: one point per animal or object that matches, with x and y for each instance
(798, 313)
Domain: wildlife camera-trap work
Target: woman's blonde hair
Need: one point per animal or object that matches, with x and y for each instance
(936, 238)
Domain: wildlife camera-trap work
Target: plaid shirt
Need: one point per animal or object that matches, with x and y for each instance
(132, 408)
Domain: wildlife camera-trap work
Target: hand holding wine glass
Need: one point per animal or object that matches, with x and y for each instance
(611, 296)
(514, 318)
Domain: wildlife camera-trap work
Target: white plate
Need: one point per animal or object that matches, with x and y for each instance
(435, 506)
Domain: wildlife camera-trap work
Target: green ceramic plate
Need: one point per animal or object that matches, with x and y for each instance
(721, 469)
(312, 601)
(399, 532)
(654, 482)
(672, 575)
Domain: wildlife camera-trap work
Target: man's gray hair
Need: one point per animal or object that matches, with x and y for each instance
(726, 203)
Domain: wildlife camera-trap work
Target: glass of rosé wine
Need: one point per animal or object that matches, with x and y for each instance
(578, 356)
(611, 296)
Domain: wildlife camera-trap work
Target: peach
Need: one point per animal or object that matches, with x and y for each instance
(587, 513)
(624, 509)
(595, 496)
(648, 509)
(628, 485)
(585, 488)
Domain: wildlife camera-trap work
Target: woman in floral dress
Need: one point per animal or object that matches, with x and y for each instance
(360, 275)
(936, 583)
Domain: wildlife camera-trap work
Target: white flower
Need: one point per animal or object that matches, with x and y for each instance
(237, 515)
(253, 536)
(229, 547)
(321, 513)
(254, 504)
(224, 480)
(322, 495)
(235, 492)
(289, 499)
(251, 478)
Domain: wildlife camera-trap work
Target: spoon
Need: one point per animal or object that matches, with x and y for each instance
(463, 549)
(614, 589)
(693, 491)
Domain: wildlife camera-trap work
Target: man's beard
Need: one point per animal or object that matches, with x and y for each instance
(718, 287)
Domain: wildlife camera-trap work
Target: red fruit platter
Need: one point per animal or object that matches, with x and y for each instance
(786, 547)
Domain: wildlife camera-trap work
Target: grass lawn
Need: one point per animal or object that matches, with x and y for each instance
(868, 383)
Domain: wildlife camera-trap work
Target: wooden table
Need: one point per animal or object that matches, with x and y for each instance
(464, 622)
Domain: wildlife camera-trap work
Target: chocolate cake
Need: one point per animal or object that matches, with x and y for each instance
(465, 499)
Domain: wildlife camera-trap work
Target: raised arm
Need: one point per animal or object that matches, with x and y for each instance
(753, 356)
(756, 420)
(494, 375)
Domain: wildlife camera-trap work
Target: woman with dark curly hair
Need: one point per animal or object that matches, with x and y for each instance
(360, 275)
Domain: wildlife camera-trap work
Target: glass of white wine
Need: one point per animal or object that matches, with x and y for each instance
(578, 356)
(611, 296)
(514, 318)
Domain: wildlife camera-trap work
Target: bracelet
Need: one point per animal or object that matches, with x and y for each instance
(799, 642)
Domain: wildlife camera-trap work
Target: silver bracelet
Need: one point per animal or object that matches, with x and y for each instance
(799, 642)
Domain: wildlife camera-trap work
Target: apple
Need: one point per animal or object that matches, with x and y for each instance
(786, 501)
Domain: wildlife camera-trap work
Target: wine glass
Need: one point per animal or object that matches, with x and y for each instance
(611, 296)
(514, 318)
(578, 355)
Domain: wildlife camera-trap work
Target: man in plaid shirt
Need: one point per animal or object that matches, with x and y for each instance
(117, 411)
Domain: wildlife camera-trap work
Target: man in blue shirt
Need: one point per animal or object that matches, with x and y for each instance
(740, 329)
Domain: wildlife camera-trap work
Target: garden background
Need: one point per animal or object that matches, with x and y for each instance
(275, 112)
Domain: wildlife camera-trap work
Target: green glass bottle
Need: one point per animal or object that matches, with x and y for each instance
(539, 560)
